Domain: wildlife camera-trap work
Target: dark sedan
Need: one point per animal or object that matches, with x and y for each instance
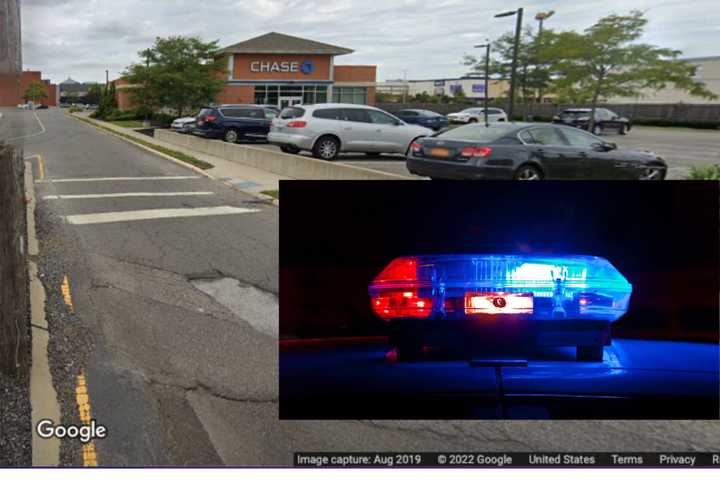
(425, 118)
(605, 120)
(528, 151)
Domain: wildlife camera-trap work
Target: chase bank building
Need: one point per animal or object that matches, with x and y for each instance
(278, 69)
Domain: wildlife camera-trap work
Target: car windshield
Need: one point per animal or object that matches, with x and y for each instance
(474, 133)
(472, 110)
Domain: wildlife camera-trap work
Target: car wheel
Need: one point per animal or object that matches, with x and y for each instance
(652, 173)
(231, 135)
(597, 129)
(290, 149)
(528, 172)
(472, 120)
(327, 148)
(623, 130)
(592, 353)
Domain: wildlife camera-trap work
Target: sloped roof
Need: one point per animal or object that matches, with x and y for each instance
(274, 42)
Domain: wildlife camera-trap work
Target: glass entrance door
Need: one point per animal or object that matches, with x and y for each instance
(285, 102)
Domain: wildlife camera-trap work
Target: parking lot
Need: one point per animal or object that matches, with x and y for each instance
(682, 148)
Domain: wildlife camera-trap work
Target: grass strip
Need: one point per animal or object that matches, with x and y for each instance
(272, 193)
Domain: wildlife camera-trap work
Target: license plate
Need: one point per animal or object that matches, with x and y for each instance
(439, 152)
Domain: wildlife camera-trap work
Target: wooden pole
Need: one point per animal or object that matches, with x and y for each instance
(14, 294)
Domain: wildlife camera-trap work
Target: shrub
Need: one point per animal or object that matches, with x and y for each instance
(705, 172)
(76, 109)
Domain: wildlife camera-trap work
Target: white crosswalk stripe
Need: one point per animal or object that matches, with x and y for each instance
(113, 179)
(154, 214)
(126, 195)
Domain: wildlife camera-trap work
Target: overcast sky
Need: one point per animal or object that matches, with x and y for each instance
(83, 38)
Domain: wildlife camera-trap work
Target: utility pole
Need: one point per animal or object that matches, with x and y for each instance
(518, 30)
(405, 86)
(487, 79)
(107, 78)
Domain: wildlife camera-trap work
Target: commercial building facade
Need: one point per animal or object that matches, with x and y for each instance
(707, 71)
(472, 87)
(278, 69)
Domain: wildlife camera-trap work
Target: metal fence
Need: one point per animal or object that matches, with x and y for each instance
(14, 293)
(664, 112)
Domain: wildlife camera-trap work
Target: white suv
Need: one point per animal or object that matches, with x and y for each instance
(473, 115)
(330, 128)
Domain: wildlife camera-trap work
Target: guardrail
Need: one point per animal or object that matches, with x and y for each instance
(298, 167)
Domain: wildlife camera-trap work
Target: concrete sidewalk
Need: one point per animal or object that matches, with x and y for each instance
(242, 177)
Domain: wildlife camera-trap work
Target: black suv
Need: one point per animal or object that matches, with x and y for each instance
(235, 122)
(605, 120)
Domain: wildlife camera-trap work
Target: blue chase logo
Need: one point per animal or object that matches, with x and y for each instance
(307, 67)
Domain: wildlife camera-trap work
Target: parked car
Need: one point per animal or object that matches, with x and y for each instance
(234, 122)
(605, 120)
(425, 118)
(183, 125)
(529, 151)
(477, 115)
(42, 106)
(330, 128)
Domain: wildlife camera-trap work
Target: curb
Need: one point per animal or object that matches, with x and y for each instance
(43, 397)
(97, 125)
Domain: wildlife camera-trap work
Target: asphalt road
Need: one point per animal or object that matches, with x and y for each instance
(682, 148)
(172, 321)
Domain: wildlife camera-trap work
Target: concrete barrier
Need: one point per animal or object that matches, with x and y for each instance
(293, 166)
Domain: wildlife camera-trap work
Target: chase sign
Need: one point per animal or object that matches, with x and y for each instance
(307, 67)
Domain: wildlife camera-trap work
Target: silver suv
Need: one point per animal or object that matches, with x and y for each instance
(330, 128)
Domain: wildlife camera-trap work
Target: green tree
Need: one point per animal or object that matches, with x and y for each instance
(605, 61)
(533, 65)
(35, 92)
(180, 73)
(94, 94)
(108, 102)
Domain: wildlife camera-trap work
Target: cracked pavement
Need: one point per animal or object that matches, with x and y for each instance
(174, 371)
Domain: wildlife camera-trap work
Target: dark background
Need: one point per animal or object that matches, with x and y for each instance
(335, 237)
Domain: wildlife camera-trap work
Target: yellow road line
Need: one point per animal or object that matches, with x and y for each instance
(82, 398)
(41, 164)
(67, 296)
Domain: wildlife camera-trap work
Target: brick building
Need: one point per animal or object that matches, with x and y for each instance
(282, 70)
(13, 81)
(14, 85)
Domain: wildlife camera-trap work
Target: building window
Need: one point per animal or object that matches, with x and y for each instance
(357, 95)
(271, 94)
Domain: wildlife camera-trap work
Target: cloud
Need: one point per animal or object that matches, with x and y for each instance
(83, 38)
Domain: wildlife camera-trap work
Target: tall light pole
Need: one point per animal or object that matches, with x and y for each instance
(405, 86)
(541, 17)
(518, 30)
(487, 74)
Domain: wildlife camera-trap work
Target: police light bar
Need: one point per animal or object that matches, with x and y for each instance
(476, 286)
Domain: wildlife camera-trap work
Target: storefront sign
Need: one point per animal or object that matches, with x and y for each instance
(439, 83)
(307, 67)
(478, 88)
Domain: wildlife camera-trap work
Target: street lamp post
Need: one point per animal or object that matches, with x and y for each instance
(487, 74)
(541, 17)
(518, 30)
